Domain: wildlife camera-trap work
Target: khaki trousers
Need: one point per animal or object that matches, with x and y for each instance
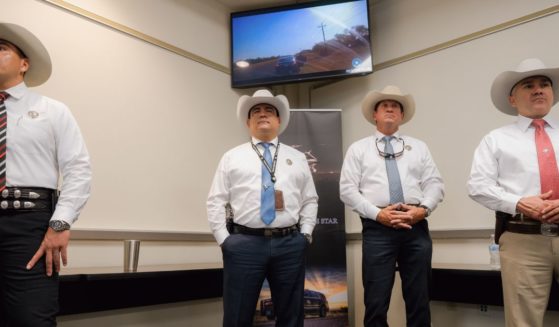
(529, 263)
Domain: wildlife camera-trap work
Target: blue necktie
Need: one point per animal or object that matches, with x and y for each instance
(394, 183)
(267, 196)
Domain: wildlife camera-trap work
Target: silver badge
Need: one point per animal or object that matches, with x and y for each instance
(289, 162)
(33, 114)
(408, 147)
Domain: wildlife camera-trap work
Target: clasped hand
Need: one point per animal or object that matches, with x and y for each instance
(540, 207)
(400, 215)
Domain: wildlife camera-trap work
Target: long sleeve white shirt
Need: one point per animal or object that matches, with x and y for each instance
(364, 182)
(238, 181)
(44, 142)
(505, 166)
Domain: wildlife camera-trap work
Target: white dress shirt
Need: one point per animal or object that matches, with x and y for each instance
(238, 181)
(505, 166)
(364, 182)
(44, 142)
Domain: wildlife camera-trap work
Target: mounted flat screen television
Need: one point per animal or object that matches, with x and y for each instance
(301, 42)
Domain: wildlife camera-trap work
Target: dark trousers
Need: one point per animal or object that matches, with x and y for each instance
(27, 297)
(247, 261)
(383, 247)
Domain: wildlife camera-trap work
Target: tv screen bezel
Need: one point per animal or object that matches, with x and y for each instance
(270, 81)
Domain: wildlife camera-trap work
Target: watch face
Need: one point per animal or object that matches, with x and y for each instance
(59, 225)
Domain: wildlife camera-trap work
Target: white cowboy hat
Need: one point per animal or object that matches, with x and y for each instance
(40, 66)
(504, 83)
(390, 92)
(279, 102)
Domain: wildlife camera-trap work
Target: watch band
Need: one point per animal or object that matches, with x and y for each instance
(59, 225)
(427, 210)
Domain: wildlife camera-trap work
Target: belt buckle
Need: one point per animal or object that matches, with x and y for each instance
(268, 232)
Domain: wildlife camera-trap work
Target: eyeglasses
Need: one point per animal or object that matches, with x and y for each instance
(391, 155)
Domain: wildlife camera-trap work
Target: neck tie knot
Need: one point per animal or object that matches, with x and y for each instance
(3, 96)
(387, 139)
(538, 123)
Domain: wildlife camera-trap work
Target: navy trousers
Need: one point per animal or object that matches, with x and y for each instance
(383, 247)
(28, 298)
(247, 261)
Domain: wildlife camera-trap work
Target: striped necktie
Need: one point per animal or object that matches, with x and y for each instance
(394, 184)
(268, 194)
(3, 132)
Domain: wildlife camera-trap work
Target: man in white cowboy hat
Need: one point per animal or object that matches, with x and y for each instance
(39, 142)
(269, 190)
(515, 173)
(392, 182)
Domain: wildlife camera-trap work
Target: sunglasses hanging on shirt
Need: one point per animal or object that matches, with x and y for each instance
(396, 153)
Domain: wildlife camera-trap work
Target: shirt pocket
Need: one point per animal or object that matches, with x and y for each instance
(31, 135)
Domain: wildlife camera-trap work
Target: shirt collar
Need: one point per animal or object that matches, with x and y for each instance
(524, 123)
(274, 141)
(380, 135)
(17, 92)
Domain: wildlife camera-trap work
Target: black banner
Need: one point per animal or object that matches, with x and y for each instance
(317, 133)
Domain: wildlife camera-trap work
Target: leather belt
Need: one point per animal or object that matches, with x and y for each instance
(268, 232)
(24, 199)
(519, 224)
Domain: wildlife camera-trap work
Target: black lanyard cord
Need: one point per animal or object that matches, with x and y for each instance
(271, 170)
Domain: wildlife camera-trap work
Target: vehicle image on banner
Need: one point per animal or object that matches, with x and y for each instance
(287, 65)
(315, 303)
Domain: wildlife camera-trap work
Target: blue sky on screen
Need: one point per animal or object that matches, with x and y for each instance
(288, 32)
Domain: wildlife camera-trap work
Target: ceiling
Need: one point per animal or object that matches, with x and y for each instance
(239, 5)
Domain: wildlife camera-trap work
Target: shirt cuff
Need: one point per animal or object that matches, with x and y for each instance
(372, 212)
(509, 204)
(307, 229)
(66, 214)
(220, 235)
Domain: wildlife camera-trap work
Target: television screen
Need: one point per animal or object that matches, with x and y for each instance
(302, 42)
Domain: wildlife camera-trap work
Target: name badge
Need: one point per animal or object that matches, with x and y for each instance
(279, 201)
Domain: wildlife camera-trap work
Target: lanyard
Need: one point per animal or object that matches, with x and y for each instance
(271, 170)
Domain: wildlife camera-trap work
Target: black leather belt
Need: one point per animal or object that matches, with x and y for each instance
(268, 232)
(24, 199)
(519, 224)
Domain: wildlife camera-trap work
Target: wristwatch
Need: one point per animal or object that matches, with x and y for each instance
(427, 210)
(308, 237)
(59, 225)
